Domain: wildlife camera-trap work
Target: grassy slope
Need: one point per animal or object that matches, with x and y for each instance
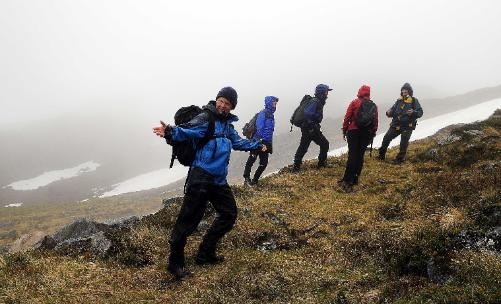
(370, 246)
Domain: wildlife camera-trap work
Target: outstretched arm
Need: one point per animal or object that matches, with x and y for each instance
(176, 133)
(241, 144)
(195, 132)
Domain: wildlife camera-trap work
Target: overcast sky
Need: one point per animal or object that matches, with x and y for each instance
(143, 59)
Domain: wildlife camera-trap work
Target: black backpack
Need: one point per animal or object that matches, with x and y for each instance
(366, 117)
(184, 151)
(249, 128)
(297, 117)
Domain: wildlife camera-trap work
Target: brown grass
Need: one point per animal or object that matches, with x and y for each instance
(370, 246)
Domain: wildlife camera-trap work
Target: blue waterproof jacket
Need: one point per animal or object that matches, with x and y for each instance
(214, 157)
(265, 122)
(314, 113)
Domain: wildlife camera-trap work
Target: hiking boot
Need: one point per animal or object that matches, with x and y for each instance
(254, 182)
(203, 259)
(248, 182)
(398, 161)
(347, 187)
(323, 165)
(179, 272)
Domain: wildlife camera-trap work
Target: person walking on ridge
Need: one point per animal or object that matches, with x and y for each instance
(359, 136)
(265, 125)
(311, 129)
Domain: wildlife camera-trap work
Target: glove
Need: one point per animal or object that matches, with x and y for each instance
(269, 146)
(344, 135)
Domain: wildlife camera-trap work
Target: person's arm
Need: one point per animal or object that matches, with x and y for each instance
(348, 116)
(269, 127)
(418, 111)
(260, 124)
(391, 111)
(241, 144)
(195, 132)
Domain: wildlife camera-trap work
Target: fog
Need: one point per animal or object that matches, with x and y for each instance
(140, 60)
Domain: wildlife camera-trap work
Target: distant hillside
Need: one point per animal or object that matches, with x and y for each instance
(434, 107)
(427, 231)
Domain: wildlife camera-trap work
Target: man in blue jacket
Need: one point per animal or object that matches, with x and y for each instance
(206, 180)
(265, 125)
(310, 130)
(404, 113)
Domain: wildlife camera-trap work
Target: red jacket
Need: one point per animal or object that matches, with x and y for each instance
(350, 117)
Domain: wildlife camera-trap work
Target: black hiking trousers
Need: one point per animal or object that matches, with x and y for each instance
(194, 205)
(358, 140)
(263, 163)
(391, 134)
(307, 136)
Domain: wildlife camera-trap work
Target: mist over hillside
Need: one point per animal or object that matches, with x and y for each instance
(125, 148)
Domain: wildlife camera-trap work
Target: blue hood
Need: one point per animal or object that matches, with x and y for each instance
(268, 103)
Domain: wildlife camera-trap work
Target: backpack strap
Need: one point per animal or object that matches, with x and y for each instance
(210, 131)
(172, 158)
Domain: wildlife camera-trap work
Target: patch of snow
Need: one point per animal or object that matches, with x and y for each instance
(14, 205)
(149, 180)
(53, 176)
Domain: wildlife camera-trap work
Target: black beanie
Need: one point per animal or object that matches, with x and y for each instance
(408, 87)
(230, 94)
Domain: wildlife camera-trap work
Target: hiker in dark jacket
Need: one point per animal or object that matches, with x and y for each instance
(265, 125)
(206, 180)
(404, 114)
(310, 130)
(358, 139)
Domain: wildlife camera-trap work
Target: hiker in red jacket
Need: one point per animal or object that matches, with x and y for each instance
(359, 126)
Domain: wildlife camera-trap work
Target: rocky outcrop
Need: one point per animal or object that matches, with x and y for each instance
(80, 237)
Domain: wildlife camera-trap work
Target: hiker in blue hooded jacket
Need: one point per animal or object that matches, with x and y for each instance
(310, 129)
(206, 181)
(404, 113)
(265, 125)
